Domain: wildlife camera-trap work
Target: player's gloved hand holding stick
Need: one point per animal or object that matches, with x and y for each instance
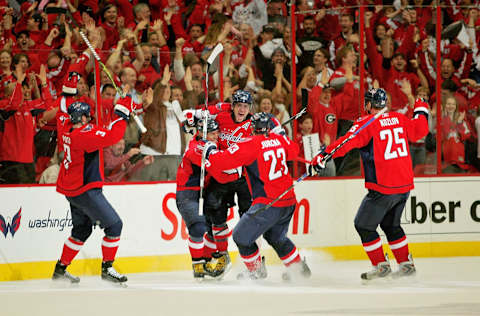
(124, 106)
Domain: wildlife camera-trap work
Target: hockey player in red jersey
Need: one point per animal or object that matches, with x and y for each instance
(188, 194)
(81, 180)
(388, 171)
(264, 157)
(235, 126)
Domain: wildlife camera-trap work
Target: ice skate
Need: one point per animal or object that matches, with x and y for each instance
(298, 270)
(61, 274)
(202, 269)
(381, 270)
(110, 274)
(405, 269)
(223, 264)
(259, 273)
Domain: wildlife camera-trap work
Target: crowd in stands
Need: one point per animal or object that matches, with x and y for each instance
(158, 49)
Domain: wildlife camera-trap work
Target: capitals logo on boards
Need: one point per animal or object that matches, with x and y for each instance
(11, 225)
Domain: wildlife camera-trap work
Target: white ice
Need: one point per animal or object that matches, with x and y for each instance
(443, 286)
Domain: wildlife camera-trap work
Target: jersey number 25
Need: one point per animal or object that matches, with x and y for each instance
(276, 156)
(394, 136)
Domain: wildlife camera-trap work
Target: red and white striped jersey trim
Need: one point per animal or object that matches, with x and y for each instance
(73, 244)
(252, 258)
(291, 256)
(110, 243)
(373, 245)
(399, 243)
(221, 232)
(209, 243)
(195, 244)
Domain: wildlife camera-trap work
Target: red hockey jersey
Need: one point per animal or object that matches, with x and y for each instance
(188, 173)
(384, 149)
(81, 169)
(265, 159)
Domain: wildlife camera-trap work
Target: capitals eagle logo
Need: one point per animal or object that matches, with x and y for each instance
(12, 226)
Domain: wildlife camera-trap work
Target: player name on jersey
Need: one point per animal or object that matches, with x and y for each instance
(270, 143)
(389, 121)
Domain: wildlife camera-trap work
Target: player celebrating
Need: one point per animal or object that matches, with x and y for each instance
(265, 158)
(235, 126)
(188, 194)
(387, 163)
(81, 180)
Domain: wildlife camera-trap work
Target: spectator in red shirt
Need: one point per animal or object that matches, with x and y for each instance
(16, 152)
(350, 111)
(27, 46)
(324, 110)
(159, 49)
(108, 18)
(394, 74)
(147, 74)
(196, 34)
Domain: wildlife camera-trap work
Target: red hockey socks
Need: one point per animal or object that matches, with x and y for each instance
(292, 257)
(252, 261)
(209, 247)
(70, 250)
(374, 251)
(221, 234)
(109, 248)
(399, 248)
(196, 248)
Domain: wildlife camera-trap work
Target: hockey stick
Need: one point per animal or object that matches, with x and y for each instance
(139, 123)
(213, 55)
(325, 158)
(296, 116)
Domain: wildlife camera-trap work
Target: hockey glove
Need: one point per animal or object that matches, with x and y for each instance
(421, 108)
(186, 128)
(124, 107)
(190, 117)
(318, 162)
(193, 115)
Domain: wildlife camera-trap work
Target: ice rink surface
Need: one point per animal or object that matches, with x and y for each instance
(443, 286)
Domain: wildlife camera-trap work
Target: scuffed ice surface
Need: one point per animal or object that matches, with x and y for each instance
(443, 286)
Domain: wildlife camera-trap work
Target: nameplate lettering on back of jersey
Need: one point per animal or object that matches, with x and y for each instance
(270, 143)
(389, 121)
